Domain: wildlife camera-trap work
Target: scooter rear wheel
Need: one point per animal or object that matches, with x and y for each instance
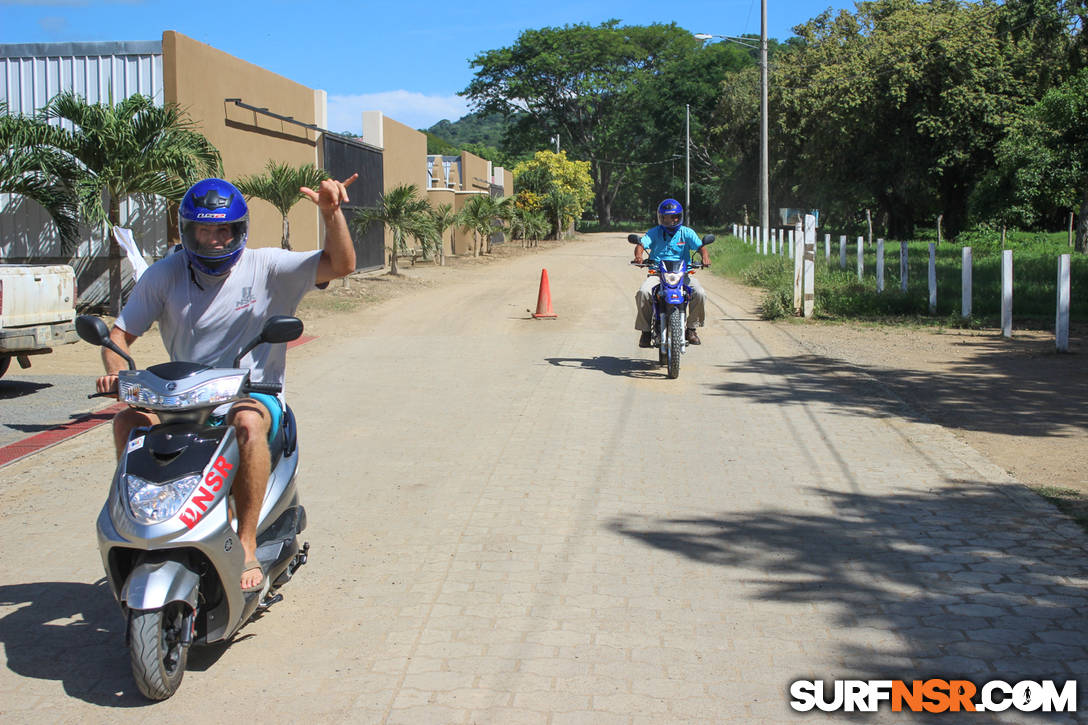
(155, 649)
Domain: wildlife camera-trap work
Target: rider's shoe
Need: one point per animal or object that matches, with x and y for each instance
(645, 340)
(693, 337)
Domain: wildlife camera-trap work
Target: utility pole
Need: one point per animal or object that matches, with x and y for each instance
(687, 164)
(764, 184)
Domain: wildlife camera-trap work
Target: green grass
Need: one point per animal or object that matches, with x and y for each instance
(840, 295)
(1069, 501)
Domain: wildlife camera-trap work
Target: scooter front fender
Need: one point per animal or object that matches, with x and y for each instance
(152, 585)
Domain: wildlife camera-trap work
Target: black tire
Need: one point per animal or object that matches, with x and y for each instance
(4, 362)
(158, 657)
(676, 342)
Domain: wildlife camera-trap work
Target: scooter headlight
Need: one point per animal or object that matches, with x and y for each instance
(219, 390)
(154, 502)
(673, 278)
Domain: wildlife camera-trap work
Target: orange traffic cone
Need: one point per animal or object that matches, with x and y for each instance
(544, 299)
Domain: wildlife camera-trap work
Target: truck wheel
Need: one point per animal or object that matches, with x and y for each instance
(4, 362)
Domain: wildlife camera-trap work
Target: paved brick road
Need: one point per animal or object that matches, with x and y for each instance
(519, 521)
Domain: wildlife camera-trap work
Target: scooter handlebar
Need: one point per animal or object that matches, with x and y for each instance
(265, 388)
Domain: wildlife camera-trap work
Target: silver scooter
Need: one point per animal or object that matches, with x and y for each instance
(167, 533)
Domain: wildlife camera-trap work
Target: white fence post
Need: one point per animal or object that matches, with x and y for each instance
(965, 292)
(827, 248)
(903, 270)
(861, 257)
(1006, 293)
(932, 278)
(809, 273)
(879, 265)
(798, 238)
(798, 256)
(842, 251)
(1061, 331)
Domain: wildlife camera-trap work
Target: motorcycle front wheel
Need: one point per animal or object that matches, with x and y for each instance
(155, 648)
(676, 342)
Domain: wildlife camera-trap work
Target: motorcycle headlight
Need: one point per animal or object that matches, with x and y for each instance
(673, 278)
(212, 392)
(153, 502)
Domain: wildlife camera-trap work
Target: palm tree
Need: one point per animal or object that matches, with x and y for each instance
(536, 226)
(129, 148)
(30, 166)
(404, 212)
(279, 186)
(442, 218)
(478, 214)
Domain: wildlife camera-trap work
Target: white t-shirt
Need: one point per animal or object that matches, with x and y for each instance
(208, 320)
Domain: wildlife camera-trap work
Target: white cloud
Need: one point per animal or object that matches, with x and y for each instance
(410, 108)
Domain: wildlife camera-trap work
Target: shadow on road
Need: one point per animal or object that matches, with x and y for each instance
(973, 584)
(10, 389)
(622, 366)
(987, 392)
(73, 633)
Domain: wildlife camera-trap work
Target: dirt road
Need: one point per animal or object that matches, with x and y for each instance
(516, 520)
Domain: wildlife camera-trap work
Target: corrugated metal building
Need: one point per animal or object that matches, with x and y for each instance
(30, 75)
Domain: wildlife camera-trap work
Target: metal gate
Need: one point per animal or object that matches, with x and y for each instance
(344, 157)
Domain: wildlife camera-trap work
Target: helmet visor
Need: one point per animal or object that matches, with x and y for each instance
(211, 241)
(668, 220)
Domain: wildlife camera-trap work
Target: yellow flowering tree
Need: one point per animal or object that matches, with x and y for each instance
(551, 182)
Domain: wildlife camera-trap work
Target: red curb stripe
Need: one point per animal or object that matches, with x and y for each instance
(40, 441)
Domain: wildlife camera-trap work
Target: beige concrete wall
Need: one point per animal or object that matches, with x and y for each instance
(437, 197)
(507, 182)
(404, 161)
(474, 173)
(199, 77)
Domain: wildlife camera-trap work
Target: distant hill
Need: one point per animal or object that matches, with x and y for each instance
(475, 128)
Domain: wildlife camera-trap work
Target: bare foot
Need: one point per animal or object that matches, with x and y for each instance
(252, 575)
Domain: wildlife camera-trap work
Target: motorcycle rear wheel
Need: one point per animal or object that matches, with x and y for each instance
(155, 649)
(676, 342)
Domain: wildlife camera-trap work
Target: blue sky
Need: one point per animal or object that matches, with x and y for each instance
(407, 58)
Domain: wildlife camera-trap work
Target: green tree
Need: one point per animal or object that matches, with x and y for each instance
(1045, 157)
(901, 103)
(279, 186)
(129, 148)
(581, 82)
(31, 166)
(405, 213)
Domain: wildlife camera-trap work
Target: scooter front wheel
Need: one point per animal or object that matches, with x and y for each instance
(156, 650)
(676, 342)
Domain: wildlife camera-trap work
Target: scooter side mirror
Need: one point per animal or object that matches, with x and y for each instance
(708, 239)
(93, 330)
(281, 328)
(278, 328)
(633, 238)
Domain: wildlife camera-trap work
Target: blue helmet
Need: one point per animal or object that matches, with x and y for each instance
(670, 208)
(213, 202)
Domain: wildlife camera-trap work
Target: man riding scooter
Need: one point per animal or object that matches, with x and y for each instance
(669, 241)
(210, 301)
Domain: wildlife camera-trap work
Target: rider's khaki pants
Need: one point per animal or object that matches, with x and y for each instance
(645, 304)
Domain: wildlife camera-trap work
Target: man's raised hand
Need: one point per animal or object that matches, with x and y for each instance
(330, 194)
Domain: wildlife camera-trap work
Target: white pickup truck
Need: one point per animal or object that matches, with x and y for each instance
(37, 311)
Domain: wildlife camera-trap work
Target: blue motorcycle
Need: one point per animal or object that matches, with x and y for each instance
(670, 298)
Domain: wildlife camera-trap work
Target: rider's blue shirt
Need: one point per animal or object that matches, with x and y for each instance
(670, 246)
